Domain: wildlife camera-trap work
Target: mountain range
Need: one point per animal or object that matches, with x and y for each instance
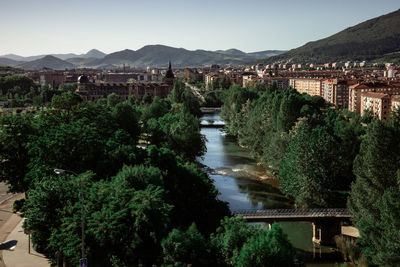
(49, 61)
(377, 39)
(94, 53)
(150, 55)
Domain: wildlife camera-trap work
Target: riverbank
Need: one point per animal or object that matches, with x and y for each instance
(244, 184)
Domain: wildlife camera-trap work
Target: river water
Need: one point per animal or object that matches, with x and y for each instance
(236, 175)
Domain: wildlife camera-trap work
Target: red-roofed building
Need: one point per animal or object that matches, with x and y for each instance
(378, 103)
(336, 91)
(356, 90)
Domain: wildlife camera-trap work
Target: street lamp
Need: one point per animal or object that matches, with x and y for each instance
(59, 171)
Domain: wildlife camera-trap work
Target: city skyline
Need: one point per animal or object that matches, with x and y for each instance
(47, 27)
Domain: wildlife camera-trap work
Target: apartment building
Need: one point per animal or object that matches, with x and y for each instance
(193, 75)
(307, 85)
(281, 82)
(378, 103)
(395, 102)
(336, 91)
(356, 90)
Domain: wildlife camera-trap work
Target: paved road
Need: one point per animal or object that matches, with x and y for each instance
(3, 192)
(20, 256)
(195, 91)
(8, 220)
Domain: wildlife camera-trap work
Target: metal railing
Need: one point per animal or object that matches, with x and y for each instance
(293, 213)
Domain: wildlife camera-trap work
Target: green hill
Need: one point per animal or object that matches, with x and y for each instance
(370, 40)
(9, 62)
(50, 62)
(159, 55)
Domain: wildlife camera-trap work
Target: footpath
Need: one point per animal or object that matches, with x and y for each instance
(11, 229)
(21, 256)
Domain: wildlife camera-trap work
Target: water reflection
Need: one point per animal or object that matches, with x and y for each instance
(235, 174)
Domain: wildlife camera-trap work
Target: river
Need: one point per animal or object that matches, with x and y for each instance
(236, 175)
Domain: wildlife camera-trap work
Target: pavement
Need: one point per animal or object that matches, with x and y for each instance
(21, 256)
(11, 228)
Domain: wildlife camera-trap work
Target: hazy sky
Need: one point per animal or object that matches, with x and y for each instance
(31, 27)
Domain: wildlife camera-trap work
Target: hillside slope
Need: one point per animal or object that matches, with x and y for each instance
(9, 62)
(50, 62)
(159, 55)
(368, 40)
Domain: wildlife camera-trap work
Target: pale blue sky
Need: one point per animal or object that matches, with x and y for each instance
(31, 27)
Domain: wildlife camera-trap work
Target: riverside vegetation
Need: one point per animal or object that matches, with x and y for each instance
(326, 157)
(144, 206)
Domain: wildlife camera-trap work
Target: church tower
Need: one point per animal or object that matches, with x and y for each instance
(169, 76)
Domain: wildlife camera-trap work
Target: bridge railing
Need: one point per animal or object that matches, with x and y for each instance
(286, 213)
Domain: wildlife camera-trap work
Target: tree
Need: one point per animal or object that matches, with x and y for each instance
(289, 110)
(240, 244)
(190, 190)
(120, 149)
(16, 132)
(45, 93)
(188, 248)
(268, 248)
(158, 108)
(67, 87)
(372, 201)
(127, 117)
(127, 224)
(75, 146)
(45, 207)
(112, 100)
(234, 98)
(19, 84)
(66, 101)
(386, 241)
(311, 167)
(183, 95)
(230, 237)
(177, 93)
(182, 134)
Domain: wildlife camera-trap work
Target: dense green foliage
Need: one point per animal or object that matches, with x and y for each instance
(242, 245)
(309, 145)
(22, 91)
(312, 162)
(18, 90)
(188, 248)
(234, 244)
(132, 208)
(183, 95)
(15, 134)
(268, 248)
(142, 206)
(374, 201)
(320, 155)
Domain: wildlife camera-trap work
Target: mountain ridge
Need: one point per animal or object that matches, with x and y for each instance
(368, 40)
(48, 61)
(150, 55)
(91, 53)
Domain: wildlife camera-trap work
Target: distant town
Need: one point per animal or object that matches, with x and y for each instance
(356, 86)
(165, 156)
